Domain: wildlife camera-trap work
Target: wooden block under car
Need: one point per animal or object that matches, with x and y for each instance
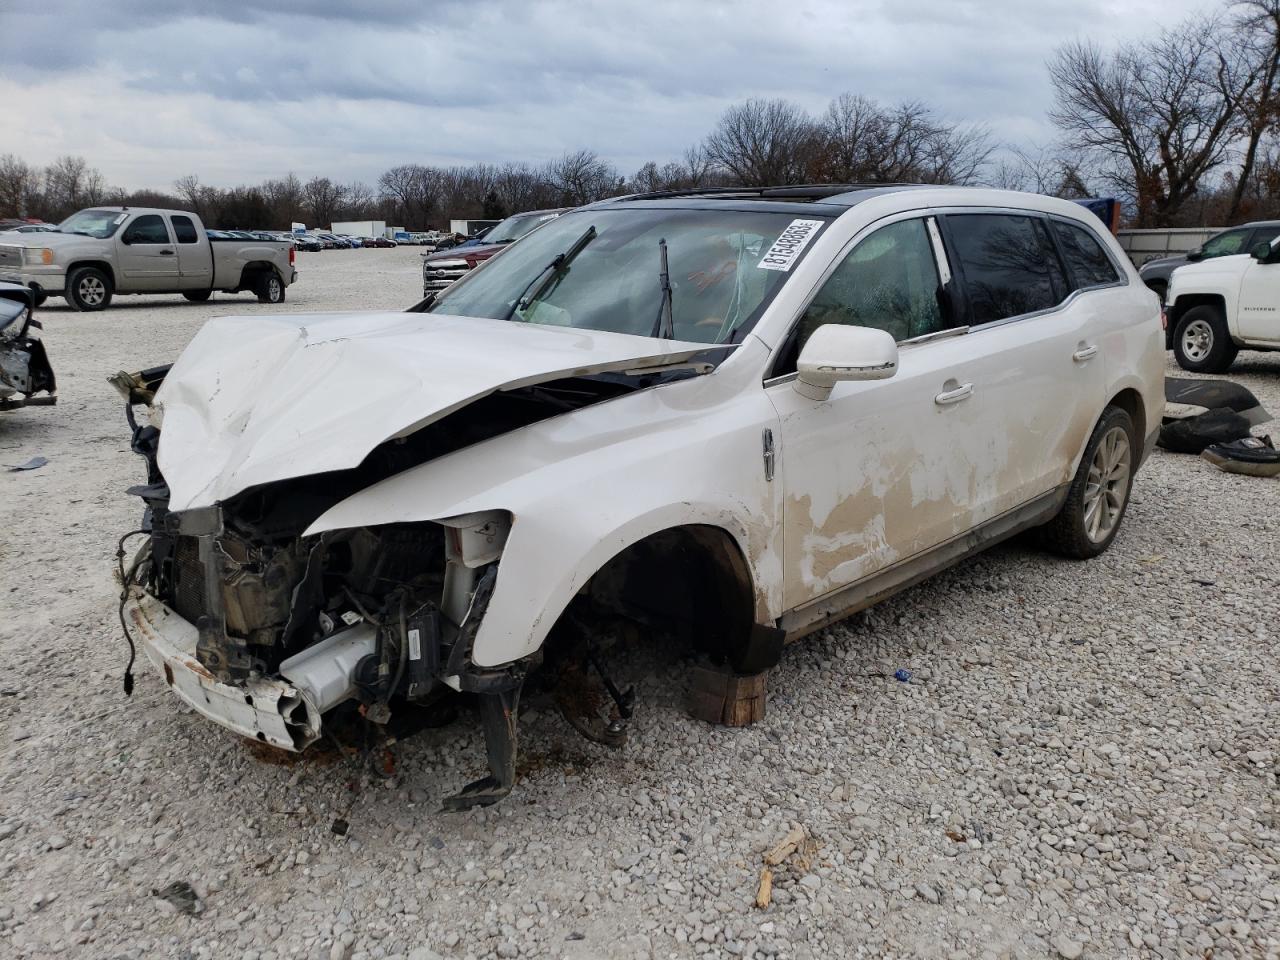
(729, 699)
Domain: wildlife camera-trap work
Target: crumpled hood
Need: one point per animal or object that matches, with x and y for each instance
(254, 400)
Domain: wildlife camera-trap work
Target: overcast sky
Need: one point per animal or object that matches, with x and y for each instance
(241, 90)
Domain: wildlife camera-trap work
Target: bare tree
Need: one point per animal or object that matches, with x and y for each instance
(322, 197)
(1160, 114)
(582, 177)
(284, 198)
(762, 142)
(647, 179)
(69, 184)
(417, 191)
(17, 182)
(1045, 169)
(519, 187)
(1258, 29)
(861, 141)
(361, 202)
(202, 200)
(696, 168)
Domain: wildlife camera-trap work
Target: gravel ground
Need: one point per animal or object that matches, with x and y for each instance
(1083, 763)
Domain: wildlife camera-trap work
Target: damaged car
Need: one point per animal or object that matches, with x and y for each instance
(26, 378)
(733, 415)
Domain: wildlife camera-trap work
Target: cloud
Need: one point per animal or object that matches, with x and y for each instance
(148, 91)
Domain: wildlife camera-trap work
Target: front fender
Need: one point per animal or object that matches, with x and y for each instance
(548, 560)
(584, 486)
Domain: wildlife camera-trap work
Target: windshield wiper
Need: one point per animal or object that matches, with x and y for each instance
(534, 288)
(664, 328)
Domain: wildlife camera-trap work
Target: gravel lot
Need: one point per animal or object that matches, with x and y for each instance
(1084, 762)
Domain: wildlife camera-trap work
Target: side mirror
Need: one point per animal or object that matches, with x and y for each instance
(1263, 252)
(1196, 255)
(836, 352)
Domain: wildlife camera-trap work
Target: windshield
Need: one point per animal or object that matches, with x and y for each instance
(725, 266)
(513, 228)
(93, 223)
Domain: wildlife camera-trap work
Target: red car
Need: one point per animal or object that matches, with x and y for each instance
(442, 268)
(384, 242)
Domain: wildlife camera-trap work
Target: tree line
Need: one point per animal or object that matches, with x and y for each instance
(1183, 126)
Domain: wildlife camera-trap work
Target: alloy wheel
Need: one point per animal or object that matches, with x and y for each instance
(92, 291)
(1107, 485)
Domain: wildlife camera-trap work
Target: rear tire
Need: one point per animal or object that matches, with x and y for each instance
(88, 289)
(1201, 342)
(271, 288)
(1099, 494)
(197, 296)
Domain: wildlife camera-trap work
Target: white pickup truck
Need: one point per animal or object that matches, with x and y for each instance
(103, 251)
(1215, 308)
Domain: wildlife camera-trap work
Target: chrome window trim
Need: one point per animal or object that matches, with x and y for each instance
(929, 215)
(1070, 298)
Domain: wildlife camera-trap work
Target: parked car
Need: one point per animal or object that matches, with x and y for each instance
(441, 269)
(1156, 273)
(104, 251)
(1221, 305)
(32, 228)
(304, 241)
(26, 378)
(383, 242)
(739, 416)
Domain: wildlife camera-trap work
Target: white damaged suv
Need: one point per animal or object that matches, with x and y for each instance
(738, 415)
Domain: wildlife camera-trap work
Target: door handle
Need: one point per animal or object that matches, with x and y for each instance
(166, 253)
(955, 395)
(1085, 353)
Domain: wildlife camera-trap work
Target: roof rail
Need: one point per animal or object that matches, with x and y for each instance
(800, 191)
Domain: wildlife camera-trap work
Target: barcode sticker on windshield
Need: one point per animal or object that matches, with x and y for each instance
(789, 244)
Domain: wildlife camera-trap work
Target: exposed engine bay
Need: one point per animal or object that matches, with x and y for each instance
(26, 378)
(288, 627)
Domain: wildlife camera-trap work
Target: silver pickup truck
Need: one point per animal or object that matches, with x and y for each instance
(97, 253)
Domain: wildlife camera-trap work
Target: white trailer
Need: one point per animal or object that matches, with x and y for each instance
(359, 228)
(1144, 245)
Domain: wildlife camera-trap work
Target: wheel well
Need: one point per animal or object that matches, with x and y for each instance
(1130, 401)
(1190, 300)
(692, 581)
(253, 270)
(100, 264)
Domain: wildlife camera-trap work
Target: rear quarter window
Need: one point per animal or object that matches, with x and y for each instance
(1086, 261)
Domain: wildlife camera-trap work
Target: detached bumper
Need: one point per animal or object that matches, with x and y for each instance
(270, 711)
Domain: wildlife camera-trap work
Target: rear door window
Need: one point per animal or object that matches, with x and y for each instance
(1086, 260)
(148, 228)
(185, 230)
(1007, 264)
